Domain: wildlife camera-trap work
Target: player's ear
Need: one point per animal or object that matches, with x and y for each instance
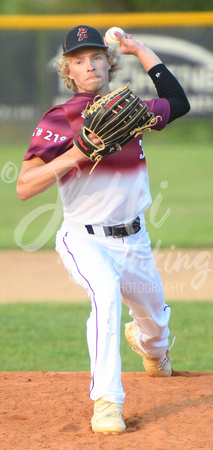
(109, 64)
(68, 70)
(109, 68)
(69, 74)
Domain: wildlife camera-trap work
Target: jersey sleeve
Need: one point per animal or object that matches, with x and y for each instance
(159, 107)
(52, 137)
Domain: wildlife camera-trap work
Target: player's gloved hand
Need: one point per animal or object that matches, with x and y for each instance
(111, 122)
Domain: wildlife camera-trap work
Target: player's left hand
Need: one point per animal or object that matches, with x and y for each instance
(95, 140)
(111, 122)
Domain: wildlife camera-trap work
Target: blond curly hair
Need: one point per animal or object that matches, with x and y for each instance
(62, 65)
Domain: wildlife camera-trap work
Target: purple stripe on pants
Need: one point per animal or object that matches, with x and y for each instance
(93, 296)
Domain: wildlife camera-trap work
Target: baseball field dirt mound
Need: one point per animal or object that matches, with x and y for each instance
(53, 410)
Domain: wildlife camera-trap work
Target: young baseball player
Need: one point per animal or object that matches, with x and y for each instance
(103, 241)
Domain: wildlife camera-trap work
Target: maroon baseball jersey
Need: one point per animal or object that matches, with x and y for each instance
(118, 188)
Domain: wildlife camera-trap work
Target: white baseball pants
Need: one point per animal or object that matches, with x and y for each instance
(115, 270)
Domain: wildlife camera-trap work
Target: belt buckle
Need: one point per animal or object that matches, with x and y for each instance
(117, 236)
(126, 229)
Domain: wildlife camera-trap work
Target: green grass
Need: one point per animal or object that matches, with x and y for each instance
(14, 211)
(183, 185)
(52, 336)
(180, 161)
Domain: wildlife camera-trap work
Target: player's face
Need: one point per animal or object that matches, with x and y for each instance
(89, 68)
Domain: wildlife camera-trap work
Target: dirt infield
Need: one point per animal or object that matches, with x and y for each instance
(52, 410)
(40, 276)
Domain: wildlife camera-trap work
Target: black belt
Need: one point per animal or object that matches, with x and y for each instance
(119, 231)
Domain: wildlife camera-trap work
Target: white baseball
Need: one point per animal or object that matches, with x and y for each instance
(110, 36)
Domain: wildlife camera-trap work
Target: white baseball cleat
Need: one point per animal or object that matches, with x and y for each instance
(107, 417)
(156, 367)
